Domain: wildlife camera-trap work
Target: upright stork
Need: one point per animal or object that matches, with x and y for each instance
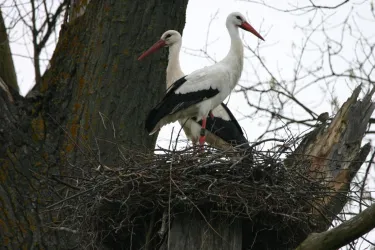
(223, 130)
(195, 95)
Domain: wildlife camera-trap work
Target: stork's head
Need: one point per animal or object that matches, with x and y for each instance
(238, 20)
(169, 38)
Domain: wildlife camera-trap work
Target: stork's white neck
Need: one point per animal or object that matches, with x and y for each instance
(236, 46)
(234, 58)
(174, 71)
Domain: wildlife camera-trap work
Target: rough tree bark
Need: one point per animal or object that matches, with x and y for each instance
(94, 92)
(7, 71)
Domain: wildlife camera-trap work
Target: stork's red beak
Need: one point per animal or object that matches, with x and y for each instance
(159, 44)
(248, 27)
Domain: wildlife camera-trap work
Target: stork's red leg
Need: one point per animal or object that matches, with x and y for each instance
(211, 115)
(202, 138)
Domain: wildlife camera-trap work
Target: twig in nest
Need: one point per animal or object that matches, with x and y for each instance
(162, 229)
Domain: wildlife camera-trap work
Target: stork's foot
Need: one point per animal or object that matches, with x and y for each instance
(202, 137)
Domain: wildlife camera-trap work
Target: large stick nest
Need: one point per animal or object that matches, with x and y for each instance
(259, 189)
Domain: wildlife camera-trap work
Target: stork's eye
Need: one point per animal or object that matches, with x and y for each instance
(168, 36)
(239, 18)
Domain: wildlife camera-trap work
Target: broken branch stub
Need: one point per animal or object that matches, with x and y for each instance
(333, 152)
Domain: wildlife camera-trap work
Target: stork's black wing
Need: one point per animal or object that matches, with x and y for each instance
(173, 103)
(228, 130)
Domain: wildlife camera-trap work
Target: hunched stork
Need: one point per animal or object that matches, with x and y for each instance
(195, 95)
(222, 127)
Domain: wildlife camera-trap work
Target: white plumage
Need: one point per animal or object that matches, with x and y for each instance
(204, 89)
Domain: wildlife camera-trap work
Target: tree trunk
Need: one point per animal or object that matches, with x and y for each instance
(7, 71)
(193, 232)
(94, 98)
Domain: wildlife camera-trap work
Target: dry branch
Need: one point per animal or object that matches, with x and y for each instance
(343, 234)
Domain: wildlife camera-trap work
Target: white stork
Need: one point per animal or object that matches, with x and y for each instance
(195, 95)
(223, 128)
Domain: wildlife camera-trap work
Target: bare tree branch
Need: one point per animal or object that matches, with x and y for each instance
(342, 234)
(299, 9)
(41, 21)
